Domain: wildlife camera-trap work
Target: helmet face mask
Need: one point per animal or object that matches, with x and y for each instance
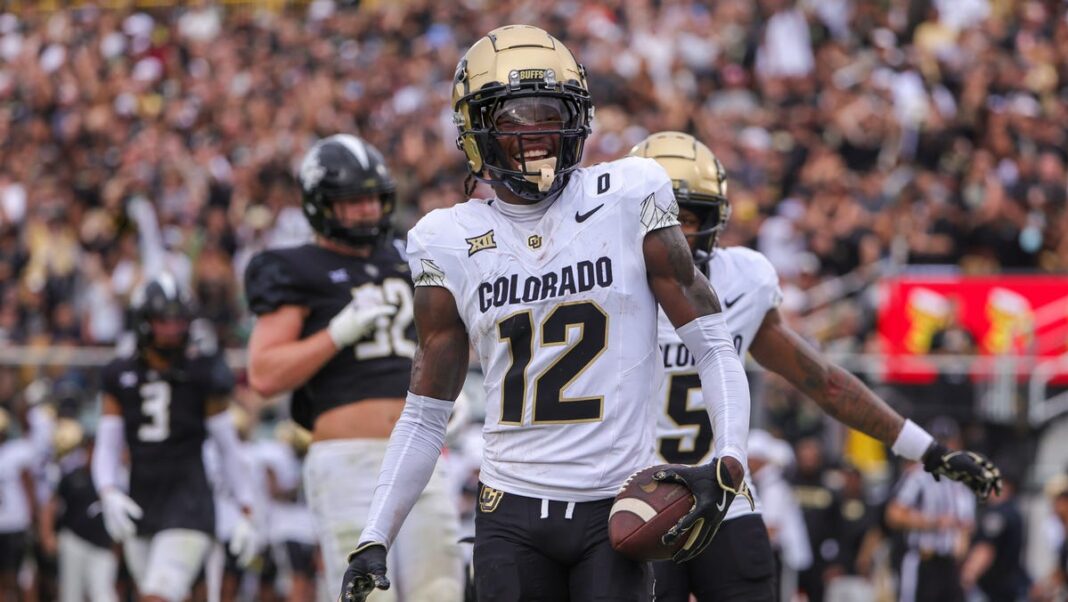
(712, 212)
(523, 111)
(699, 182)
(345, 168)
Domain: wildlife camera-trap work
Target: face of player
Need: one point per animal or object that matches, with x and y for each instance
(528, 130)
(358, 211)
(169, 333)
(690, 223)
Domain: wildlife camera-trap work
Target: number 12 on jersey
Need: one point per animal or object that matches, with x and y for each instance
(550, 406)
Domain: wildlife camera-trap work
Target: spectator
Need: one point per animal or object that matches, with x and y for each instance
(202, 112)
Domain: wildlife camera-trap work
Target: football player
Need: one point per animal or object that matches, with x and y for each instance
(738, 564)
(556, 282)
(17, 460)
(335, 327)
(163, 399)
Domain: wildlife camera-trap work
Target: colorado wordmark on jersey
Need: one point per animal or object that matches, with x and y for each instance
(748, 288)
(564, 323)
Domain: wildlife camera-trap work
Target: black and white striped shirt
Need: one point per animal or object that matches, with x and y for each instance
(920, 491)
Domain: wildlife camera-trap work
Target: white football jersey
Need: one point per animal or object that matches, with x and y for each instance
(16, 456)
(560, 313)
(748, 288)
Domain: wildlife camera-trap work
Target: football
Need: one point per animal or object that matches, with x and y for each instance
(643, 511)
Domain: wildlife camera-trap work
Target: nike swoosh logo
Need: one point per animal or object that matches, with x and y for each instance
(581, 217)
(722, 503)
(730, 303)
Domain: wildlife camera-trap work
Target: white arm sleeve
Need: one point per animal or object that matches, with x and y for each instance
(234, 463)
(42, 431)
(411, 455)
(107, 453)
(723, 384)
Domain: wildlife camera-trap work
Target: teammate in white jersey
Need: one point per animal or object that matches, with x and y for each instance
(738, 564)
(556, 283)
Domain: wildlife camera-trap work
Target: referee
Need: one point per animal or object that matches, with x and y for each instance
(936, 518)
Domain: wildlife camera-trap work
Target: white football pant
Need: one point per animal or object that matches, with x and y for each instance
(166, 564)
(86, 572)
(424, 562)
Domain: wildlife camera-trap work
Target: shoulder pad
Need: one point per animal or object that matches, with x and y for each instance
(269, 283)
(109, 376)
(399, 245)
(219, 379)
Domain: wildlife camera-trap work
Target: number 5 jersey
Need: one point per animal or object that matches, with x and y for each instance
(748, 288)
(561, 315)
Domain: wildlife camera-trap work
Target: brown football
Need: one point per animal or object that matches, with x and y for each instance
(643, 511)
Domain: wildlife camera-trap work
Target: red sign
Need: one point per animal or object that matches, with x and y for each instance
(1004, 315)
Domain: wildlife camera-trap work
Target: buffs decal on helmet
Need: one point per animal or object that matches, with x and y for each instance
(522, 109)
(699, 180)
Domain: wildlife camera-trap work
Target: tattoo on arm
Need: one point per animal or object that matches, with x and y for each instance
(679, 287)
(835, 390)
(440, 364)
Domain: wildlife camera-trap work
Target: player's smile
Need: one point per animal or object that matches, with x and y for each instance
(524, 149)
(529, 130)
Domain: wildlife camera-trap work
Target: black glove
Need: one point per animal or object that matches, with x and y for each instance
(367, 570)
(971, 468)
(713, 491)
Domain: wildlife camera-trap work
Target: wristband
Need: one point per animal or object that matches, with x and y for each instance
(912, 442)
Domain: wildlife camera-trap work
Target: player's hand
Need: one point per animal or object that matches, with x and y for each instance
(713, 491)
(119, 512)
(367, 571)
(244, 542)
(354, 322)
(968, 467)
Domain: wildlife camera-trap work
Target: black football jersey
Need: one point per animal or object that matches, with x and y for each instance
(163, 415)
(80, 507)
(324, 282)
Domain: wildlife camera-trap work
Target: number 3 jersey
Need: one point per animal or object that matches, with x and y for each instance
(748, 288)
(560, 313)
(163, 415)
(323, 283)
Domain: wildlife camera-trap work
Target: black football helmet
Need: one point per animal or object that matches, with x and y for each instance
(522, 76)
(161, 298)
(345, 166)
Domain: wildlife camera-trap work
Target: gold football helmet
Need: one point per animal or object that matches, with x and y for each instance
(68, 435)
(522, 109)
(699, 180)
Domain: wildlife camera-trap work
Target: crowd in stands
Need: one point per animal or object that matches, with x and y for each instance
(861, 138)
(856, 134)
